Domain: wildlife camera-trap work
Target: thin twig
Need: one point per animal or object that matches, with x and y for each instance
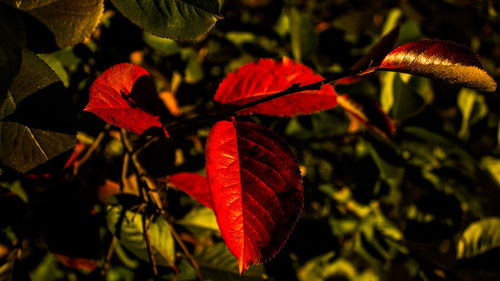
(152, 188)
(91, 149)
(186, 251)
(145, 223)
(111, 249)
(126, 141)
(123, 178)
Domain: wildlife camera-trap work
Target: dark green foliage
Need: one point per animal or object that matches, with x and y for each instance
(423, 205)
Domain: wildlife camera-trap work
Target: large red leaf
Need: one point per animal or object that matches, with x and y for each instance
(124, 95)
(443, 60)
(256, 189)
(194, 185)
(255, 81)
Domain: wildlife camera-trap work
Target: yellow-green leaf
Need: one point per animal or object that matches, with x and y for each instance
(128, 227)
(70, 21)
(479, 237)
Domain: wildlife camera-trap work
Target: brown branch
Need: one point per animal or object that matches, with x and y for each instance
(186, 251)
(145, 224)
(111, 249)
(152, 188)
(123, 178)
(91, 149)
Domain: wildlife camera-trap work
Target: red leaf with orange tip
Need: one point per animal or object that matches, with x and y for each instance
(445, 60)
(255, 81)
(77, 263)
(124, 95)
(77, 153)
(194, 185)
(256, 189)
(368, 113)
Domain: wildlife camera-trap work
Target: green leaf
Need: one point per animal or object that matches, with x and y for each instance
(479, 237)
(473, 107)
(11, 41)
(303, 37)
(200, 218)
(176, 19)
(22, 146)
(70, 21)
(57, 66)
(193, 72)
(217, 263)
(46, 270)
(116, 273)
(492, 164)
(128, 227)
(407, 102)
(324, 267)
(16, 188)
(34, 74)
(387, 90)
(166, 46)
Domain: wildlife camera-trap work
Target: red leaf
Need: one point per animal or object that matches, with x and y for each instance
(194, 185)
(256, 189)
(443, 60)
(77, 153)
(368, 113)
(255, 81)
(77, 263)
(124, 95)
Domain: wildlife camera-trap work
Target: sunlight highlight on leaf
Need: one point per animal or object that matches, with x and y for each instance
(443, 60)
(479, 237)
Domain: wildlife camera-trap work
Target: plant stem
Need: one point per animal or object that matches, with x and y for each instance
(152, 189)
(145, 223)
(186, 251)
(123, 178)
(108, 256)
(295, 88)
(91, 149)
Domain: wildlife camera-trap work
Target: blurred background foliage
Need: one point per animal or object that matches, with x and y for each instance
(424, 206)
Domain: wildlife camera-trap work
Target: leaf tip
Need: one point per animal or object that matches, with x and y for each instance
(242, 266)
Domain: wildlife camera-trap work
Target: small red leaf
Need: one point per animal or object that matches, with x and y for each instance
(77, 153)
(256, 189)
(124, 95)
(443, 60)
(194, 185)
(255, 81)
(368, 113)
(85, 264)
